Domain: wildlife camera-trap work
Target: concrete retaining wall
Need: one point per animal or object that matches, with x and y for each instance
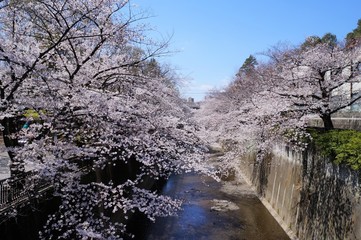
(312, 197)
(338, 122)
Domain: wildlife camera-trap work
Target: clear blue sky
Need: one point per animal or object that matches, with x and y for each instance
(215, 37)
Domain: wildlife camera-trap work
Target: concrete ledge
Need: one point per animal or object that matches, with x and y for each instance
(338, 122)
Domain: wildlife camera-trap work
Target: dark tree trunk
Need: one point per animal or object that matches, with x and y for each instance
(327, 121)
(11, 126)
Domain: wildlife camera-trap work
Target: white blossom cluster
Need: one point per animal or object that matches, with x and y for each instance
(80, 68)
(273, 101)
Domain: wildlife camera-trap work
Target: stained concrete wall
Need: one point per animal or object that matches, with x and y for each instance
(312, 197)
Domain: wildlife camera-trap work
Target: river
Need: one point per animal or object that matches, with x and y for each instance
(227, 210)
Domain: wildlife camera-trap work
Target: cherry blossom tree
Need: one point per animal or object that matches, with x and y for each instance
(105, 125)
(316, 80)
(241, 117)
(274, 101)
(279, 95)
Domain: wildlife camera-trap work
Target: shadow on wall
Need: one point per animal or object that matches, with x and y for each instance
(315, 198)
(327, 202)
(261, 171)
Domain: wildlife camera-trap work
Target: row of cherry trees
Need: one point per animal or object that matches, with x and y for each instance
(86, 72)
(275, 98)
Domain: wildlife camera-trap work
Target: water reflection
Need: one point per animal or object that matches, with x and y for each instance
(192, 215)
(250, 221)
(168, 186)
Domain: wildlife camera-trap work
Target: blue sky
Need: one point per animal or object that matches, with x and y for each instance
(213, 38)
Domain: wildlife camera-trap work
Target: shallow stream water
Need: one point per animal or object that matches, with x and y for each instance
(214, 211)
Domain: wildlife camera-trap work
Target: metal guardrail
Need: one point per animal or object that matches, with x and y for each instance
(15, 190)
(22, 188)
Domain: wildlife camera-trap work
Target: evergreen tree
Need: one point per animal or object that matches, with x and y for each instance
(312, 41)
(248, 66)
(329, 39)
(353, 38)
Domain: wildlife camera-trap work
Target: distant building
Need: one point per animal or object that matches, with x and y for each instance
(192, 104)
(348, 91)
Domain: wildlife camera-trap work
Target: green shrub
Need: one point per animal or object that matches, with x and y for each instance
(342, 146)
(31, 113)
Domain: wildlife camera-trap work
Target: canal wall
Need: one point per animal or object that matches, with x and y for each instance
(309, 196)
(339, 121)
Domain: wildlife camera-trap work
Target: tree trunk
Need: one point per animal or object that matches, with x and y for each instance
(11, 126)
(327, 121)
